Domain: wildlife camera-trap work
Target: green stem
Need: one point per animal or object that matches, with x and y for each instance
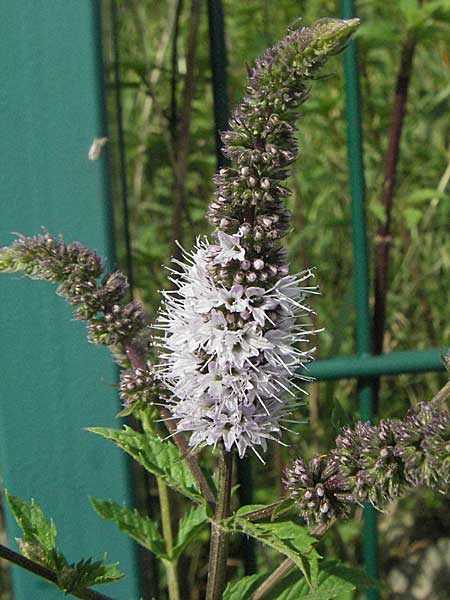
(166, 522)
(218, 552)
(172, 579)
(170, 566)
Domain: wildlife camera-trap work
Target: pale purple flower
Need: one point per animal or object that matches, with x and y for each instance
(230, 355)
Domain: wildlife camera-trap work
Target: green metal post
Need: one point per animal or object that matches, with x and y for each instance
(361, 278)
(53, 383)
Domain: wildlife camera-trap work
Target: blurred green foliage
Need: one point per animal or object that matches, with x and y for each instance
(152, 77)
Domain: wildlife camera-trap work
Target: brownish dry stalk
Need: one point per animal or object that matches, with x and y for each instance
(383, 235)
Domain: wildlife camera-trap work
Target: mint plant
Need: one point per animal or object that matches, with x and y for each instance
(218, 371)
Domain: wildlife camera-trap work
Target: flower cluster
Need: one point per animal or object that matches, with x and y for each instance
(374, 463)
(77, 270)
(231, 353)
(232, 340)
(139, 389)
(320, 490)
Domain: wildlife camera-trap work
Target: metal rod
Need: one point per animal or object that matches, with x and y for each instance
(391, 363)
(361, 278)
(218, 60)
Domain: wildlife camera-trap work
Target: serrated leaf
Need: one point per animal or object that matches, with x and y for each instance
(86, 573)
(142, 529)
(39, 534)
(287, 537)
(31, 520)
(243, 588)
(39, 544)
(162, 458)
(333, 581)
(190, 525)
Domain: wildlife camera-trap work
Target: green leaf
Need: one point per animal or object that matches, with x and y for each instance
(190, 525)
(287, 537)
(243, 588)
(142, 529)
(39, 535)
(86, 573)
(334, 580)
(163, 459)
(39, 544)
(32, 522)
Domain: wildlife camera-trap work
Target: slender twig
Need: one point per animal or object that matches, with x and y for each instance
(166, 521)
(48, 574)
(383, 235)
(138, 362)
(182, 151)
(218, 552)
(287, 565)
(170, 566)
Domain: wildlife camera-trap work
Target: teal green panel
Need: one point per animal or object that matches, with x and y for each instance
(53, 383)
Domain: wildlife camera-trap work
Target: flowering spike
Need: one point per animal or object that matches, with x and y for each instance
(77, 269)
(231, 332)
(374, 463)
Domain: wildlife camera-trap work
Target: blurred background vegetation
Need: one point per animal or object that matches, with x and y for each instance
(158, 82)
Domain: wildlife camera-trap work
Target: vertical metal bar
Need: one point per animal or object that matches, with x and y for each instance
(218, 60)
(361, 277)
